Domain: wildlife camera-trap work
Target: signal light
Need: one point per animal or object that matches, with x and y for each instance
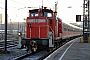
(78, 18)
(19, 33)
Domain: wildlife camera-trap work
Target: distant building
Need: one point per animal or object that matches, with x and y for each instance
(2, 18)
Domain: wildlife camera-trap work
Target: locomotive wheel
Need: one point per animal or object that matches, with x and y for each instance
(33, 46)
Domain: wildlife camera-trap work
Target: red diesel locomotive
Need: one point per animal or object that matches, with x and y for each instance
(44, 30)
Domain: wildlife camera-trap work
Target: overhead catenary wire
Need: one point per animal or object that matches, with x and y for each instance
(1, 3)
(18, 2)
(9, 6)
(50, 2)
(2, 7)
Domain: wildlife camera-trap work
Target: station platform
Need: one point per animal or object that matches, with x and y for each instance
(73, 50)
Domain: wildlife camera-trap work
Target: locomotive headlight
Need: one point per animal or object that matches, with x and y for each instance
(19, 33)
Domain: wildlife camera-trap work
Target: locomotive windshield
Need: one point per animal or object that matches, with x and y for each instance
(48, 14)
(45, 13)
(34, 14)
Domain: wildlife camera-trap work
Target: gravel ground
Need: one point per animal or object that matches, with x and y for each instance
(35, 56)
(14, 52)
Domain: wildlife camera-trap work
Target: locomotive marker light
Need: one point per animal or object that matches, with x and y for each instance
(19, 34)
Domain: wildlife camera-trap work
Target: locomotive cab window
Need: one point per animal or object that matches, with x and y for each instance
(34, 14)
(48, 14)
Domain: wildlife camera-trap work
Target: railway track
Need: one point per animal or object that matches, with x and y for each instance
(40, 55)
(34, 56)
(37, 55)
(10, 43)
(21, 54)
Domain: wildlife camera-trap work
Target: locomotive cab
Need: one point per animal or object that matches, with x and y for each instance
(38, 23)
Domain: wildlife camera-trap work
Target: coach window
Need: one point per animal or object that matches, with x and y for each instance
(65, 29)
(68, 29)
(73, 30)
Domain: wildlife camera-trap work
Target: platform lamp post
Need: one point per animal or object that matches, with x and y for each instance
(24, 26)
(5, 42)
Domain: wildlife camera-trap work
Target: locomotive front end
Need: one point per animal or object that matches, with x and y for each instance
(38, 35)
(37, 32)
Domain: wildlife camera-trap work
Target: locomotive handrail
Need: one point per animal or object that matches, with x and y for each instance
(52, 31)
(50, 28)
